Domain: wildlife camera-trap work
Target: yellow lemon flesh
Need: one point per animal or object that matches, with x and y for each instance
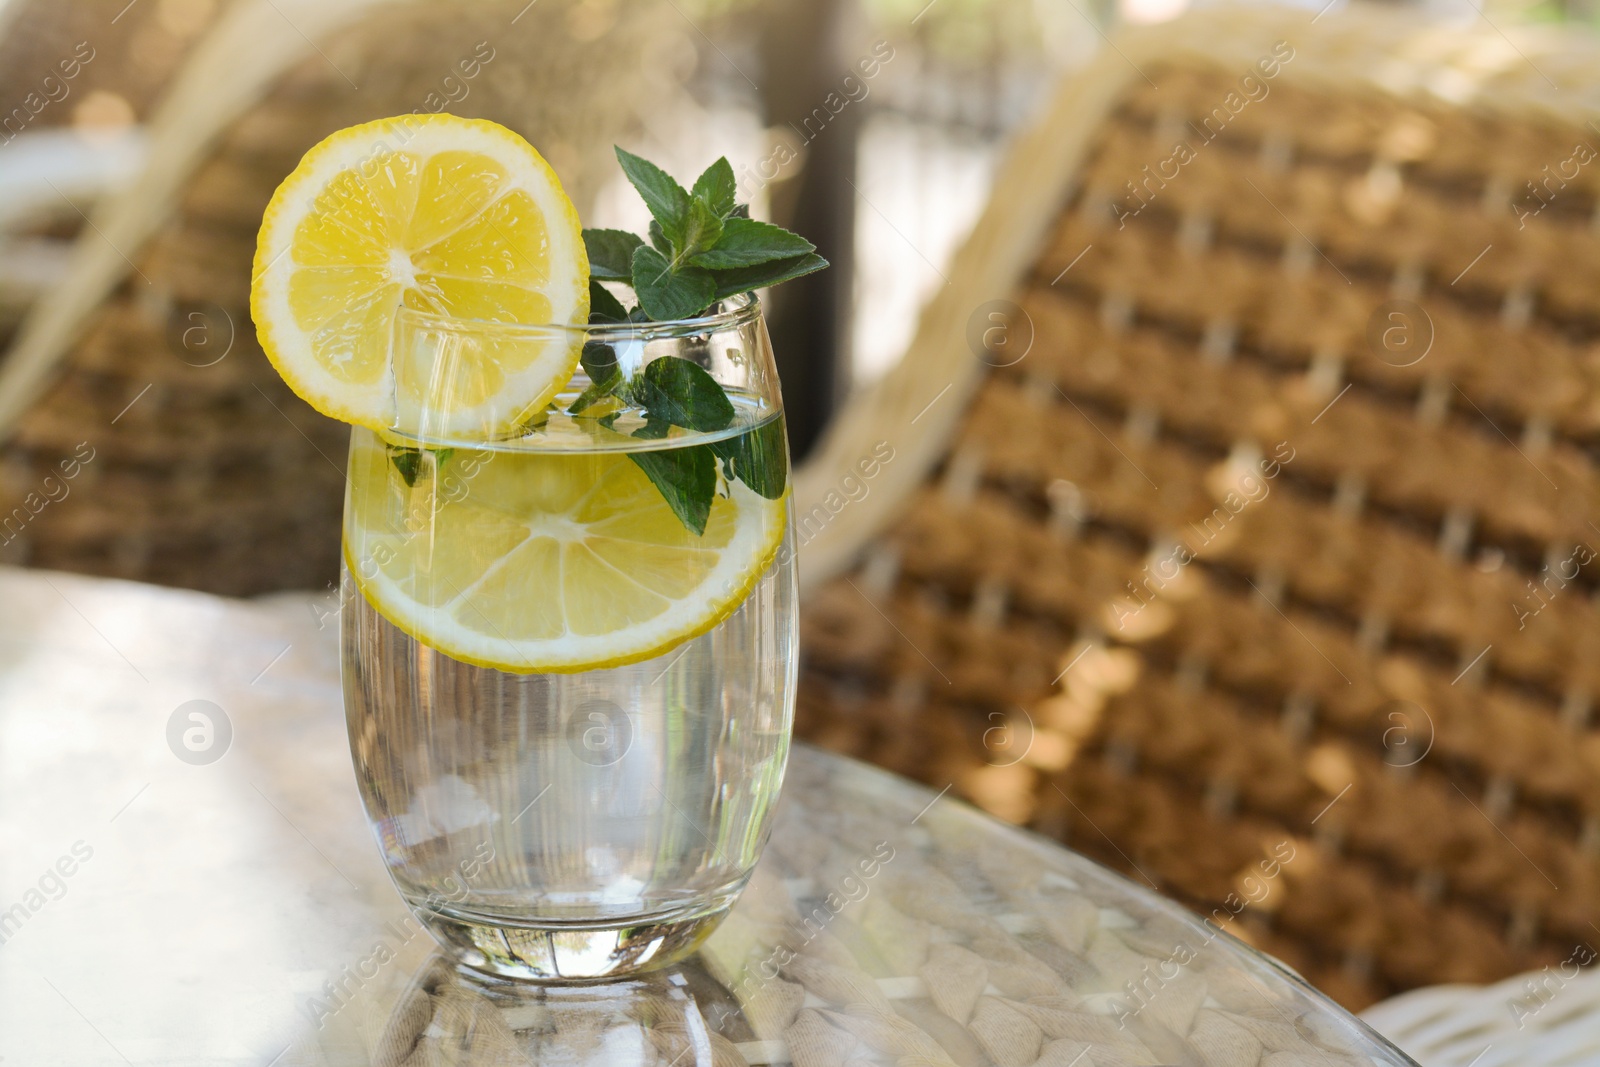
(459, 218)
(546, 561)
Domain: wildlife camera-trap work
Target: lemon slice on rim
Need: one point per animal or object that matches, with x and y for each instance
(546, 561)
(459, 217)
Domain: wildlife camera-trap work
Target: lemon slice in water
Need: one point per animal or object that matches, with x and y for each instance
(529, 561)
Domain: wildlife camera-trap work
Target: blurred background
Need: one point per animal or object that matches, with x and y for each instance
(871, 126)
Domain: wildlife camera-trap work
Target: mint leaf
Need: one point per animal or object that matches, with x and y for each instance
(677, 391)
(603, 307)
(746, 242)
(702, 229)
(743, 279)
(759, 459)
(599, 361)
(702, 247)
(658, 240)
(687, 479)
(653, 429)
(610, 254)
(596, 392)
(605, 377)
(666, 199)
(408, 461)
(665, 294)
(717, 188)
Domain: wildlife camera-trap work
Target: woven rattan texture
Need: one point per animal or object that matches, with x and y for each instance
(67, 65)
(1220, 560)
(106, 46)
(205, 471)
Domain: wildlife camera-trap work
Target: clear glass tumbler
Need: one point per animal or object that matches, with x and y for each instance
(556, 818)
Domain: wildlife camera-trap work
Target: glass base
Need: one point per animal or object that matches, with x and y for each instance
(573, 952)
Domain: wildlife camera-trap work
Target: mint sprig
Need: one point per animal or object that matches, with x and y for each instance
(702, 247)
(672, 392)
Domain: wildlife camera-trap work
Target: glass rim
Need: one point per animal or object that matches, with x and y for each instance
(739, 310)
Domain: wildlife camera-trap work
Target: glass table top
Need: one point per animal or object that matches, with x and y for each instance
(184, 891)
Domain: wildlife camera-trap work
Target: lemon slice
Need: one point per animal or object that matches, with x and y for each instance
(546, 561)
(458, 217)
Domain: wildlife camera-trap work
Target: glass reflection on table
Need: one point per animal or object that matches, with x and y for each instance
(452, 1015)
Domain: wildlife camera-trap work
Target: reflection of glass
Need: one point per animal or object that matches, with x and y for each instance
(889, 925)
(569, 825)
(451, 1016)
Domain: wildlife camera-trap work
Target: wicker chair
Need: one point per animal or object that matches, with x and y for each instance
(75, 79)
(191, 463)
(1247, 492)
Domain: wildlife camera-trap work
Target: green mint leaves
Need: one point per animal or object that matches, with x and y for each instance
(716, 188)
(681, 393)
(410, 462)
(759, 459)
(687, 477)
(746, 242)
(610, 255)
(672, 391)
(703, 247)
(599, 362)
(666, 293)
(669, 392)
(667, 200)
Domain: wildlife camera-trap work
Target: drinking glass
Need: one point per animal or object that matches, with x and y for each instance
(576, 824)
